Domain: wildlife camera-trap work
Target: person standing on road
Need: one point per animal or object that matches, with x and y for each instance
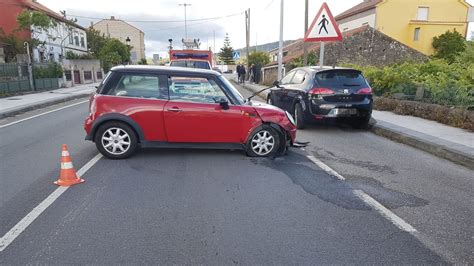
(242, 75)
(239, 72)
(252, 72)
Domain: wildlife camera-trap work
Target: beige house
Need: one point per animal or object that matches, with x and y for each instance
(119, 29)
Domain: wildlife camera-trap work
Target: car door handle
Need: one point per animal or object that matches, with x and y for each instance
(174, 109)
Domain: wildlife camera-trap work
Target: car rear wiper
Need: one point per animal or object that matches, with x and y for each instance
(350, 85)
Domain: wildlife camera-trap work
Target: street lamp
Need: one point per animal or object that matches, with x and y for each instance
(127, 41)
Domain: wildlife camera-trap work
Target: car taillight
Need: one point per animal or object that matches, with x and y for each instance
(321, 91)
(365, 91)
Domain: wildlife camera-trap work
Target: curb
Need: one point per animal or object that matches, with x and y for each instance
(416, 140)
(439, 150)
(47, 103)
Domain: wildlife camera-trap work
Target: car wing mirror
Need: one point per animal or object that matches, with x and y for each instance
(223, 103)
(276, 83)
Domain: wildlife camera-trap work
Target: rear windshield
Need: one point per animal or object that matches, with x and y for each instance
(191, 64)
(341, 79)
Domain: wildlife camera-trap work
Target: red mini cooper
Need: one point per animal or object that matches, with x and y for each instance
(140, 106)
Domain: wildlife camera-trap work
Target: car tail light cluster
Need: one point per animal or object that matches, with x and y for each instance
(321, 91)
(365, 91)
(326, 91)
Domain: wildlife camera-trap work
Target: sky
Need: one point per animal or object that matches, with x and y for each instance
(208, 20)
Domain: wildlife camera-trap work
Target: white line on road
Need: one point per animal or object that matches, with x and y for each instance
(399, 222)
(45, 113)
(367, 199)
(325, 167)
(8, 238)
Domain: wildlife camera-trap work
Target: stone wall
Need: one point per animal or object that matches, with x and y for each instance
(370, 47)
(457, 117)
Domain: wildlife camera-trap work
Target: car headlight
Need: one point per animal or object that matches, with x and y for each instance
(290, 117)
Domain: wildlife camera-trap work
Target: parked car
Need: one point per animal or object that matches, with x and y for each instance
(314, 94)
(192, 63)
(153, 106)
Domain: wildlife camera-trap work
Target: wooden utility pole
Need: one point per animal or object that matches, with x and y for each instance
(247, 36)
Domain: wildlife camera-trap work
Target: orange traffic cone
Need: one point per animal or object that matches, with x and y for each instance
(68, 176)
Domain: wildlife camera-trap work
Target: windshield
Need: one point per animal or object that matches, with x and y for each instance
(341, 79)
(191, 64)
(232, 90)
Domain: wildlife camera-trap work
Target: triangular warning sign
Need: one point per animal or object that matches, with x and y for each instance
(324, 27)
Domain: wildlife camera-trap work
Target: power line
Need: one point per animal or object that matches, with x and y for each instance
(160, 21)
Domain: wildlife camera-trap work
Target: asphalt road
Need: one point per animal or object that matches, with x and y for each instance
(221, 207)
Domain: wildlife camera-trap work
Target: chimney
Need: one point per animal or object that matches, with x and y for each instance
(112, 17)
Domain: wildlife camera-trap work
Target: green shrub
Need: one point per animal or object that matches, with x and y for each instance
(53, 70)
(444, 83)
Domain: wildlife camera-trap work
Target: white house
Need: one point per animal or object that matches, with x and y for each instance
(57, 41)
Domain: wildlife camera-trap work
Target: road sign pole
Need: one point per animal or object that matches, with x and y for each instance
(321, 55)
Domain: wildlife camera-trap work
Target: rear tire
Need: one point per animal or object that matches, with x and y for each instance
(263, 142)
(116, 140)
(361, 123)
(299, 116)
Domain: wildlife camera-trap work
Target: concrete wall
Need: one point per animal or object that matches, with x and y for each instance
(82, 66)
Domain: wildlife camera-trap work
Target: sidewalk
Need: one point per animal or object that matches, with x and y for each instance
(444, 141)
(17, 104)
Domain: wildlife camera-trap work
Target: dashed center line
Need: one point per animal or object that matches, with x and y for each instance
(11, 235)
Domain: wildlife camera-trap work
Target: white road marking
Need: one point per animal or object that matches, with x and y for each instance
(367, 199)
(45, 113)
(325, 167)
(8, 238)
(389, 215)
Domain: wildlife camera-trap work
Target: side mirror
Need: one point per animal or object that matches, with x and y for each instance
(276, 83)
(223, 103)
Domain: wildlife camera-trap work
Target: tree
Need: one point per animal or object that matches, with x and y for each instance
(114, 52)
(36, 22)
(11, 46)
(95, 41)
(448, 45)
(259, 58)
(227, 52)
(467, 56)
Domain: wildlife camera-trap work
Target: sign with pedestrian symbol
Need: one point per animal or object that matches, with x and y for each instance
(324, 27)
(236, 55)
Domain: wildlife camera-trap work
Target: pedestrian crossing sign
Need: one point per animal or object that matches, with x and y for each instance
(324, 27)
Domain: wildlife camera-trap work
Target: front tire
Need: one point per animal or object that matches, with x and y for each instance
(299, 116)
(263, 142)
(116, 140)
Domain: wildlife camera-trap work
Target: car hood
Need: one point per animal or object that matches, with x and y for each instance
(264, 106)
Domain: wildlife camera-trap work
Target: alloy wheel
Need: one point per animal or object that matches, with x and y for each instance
(263, 143)
(116, 141)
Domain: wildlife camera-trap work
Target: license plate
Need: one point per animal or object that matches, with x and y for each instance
(345, 111)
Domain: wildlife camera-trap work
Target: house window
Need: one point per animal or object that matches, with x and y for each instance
(423, 13)
(71, 38)
(416, 36)
(76, 40)
(82, 41)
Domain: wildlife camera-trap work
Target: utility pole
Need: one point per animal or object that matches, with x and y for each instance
(305, 48)
(185, 20)
(247, 38)
(280, 45)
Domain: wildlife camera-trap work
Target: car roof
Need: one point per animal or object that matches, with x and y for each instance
(164, 70)
(325, 68)
(190, 59)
